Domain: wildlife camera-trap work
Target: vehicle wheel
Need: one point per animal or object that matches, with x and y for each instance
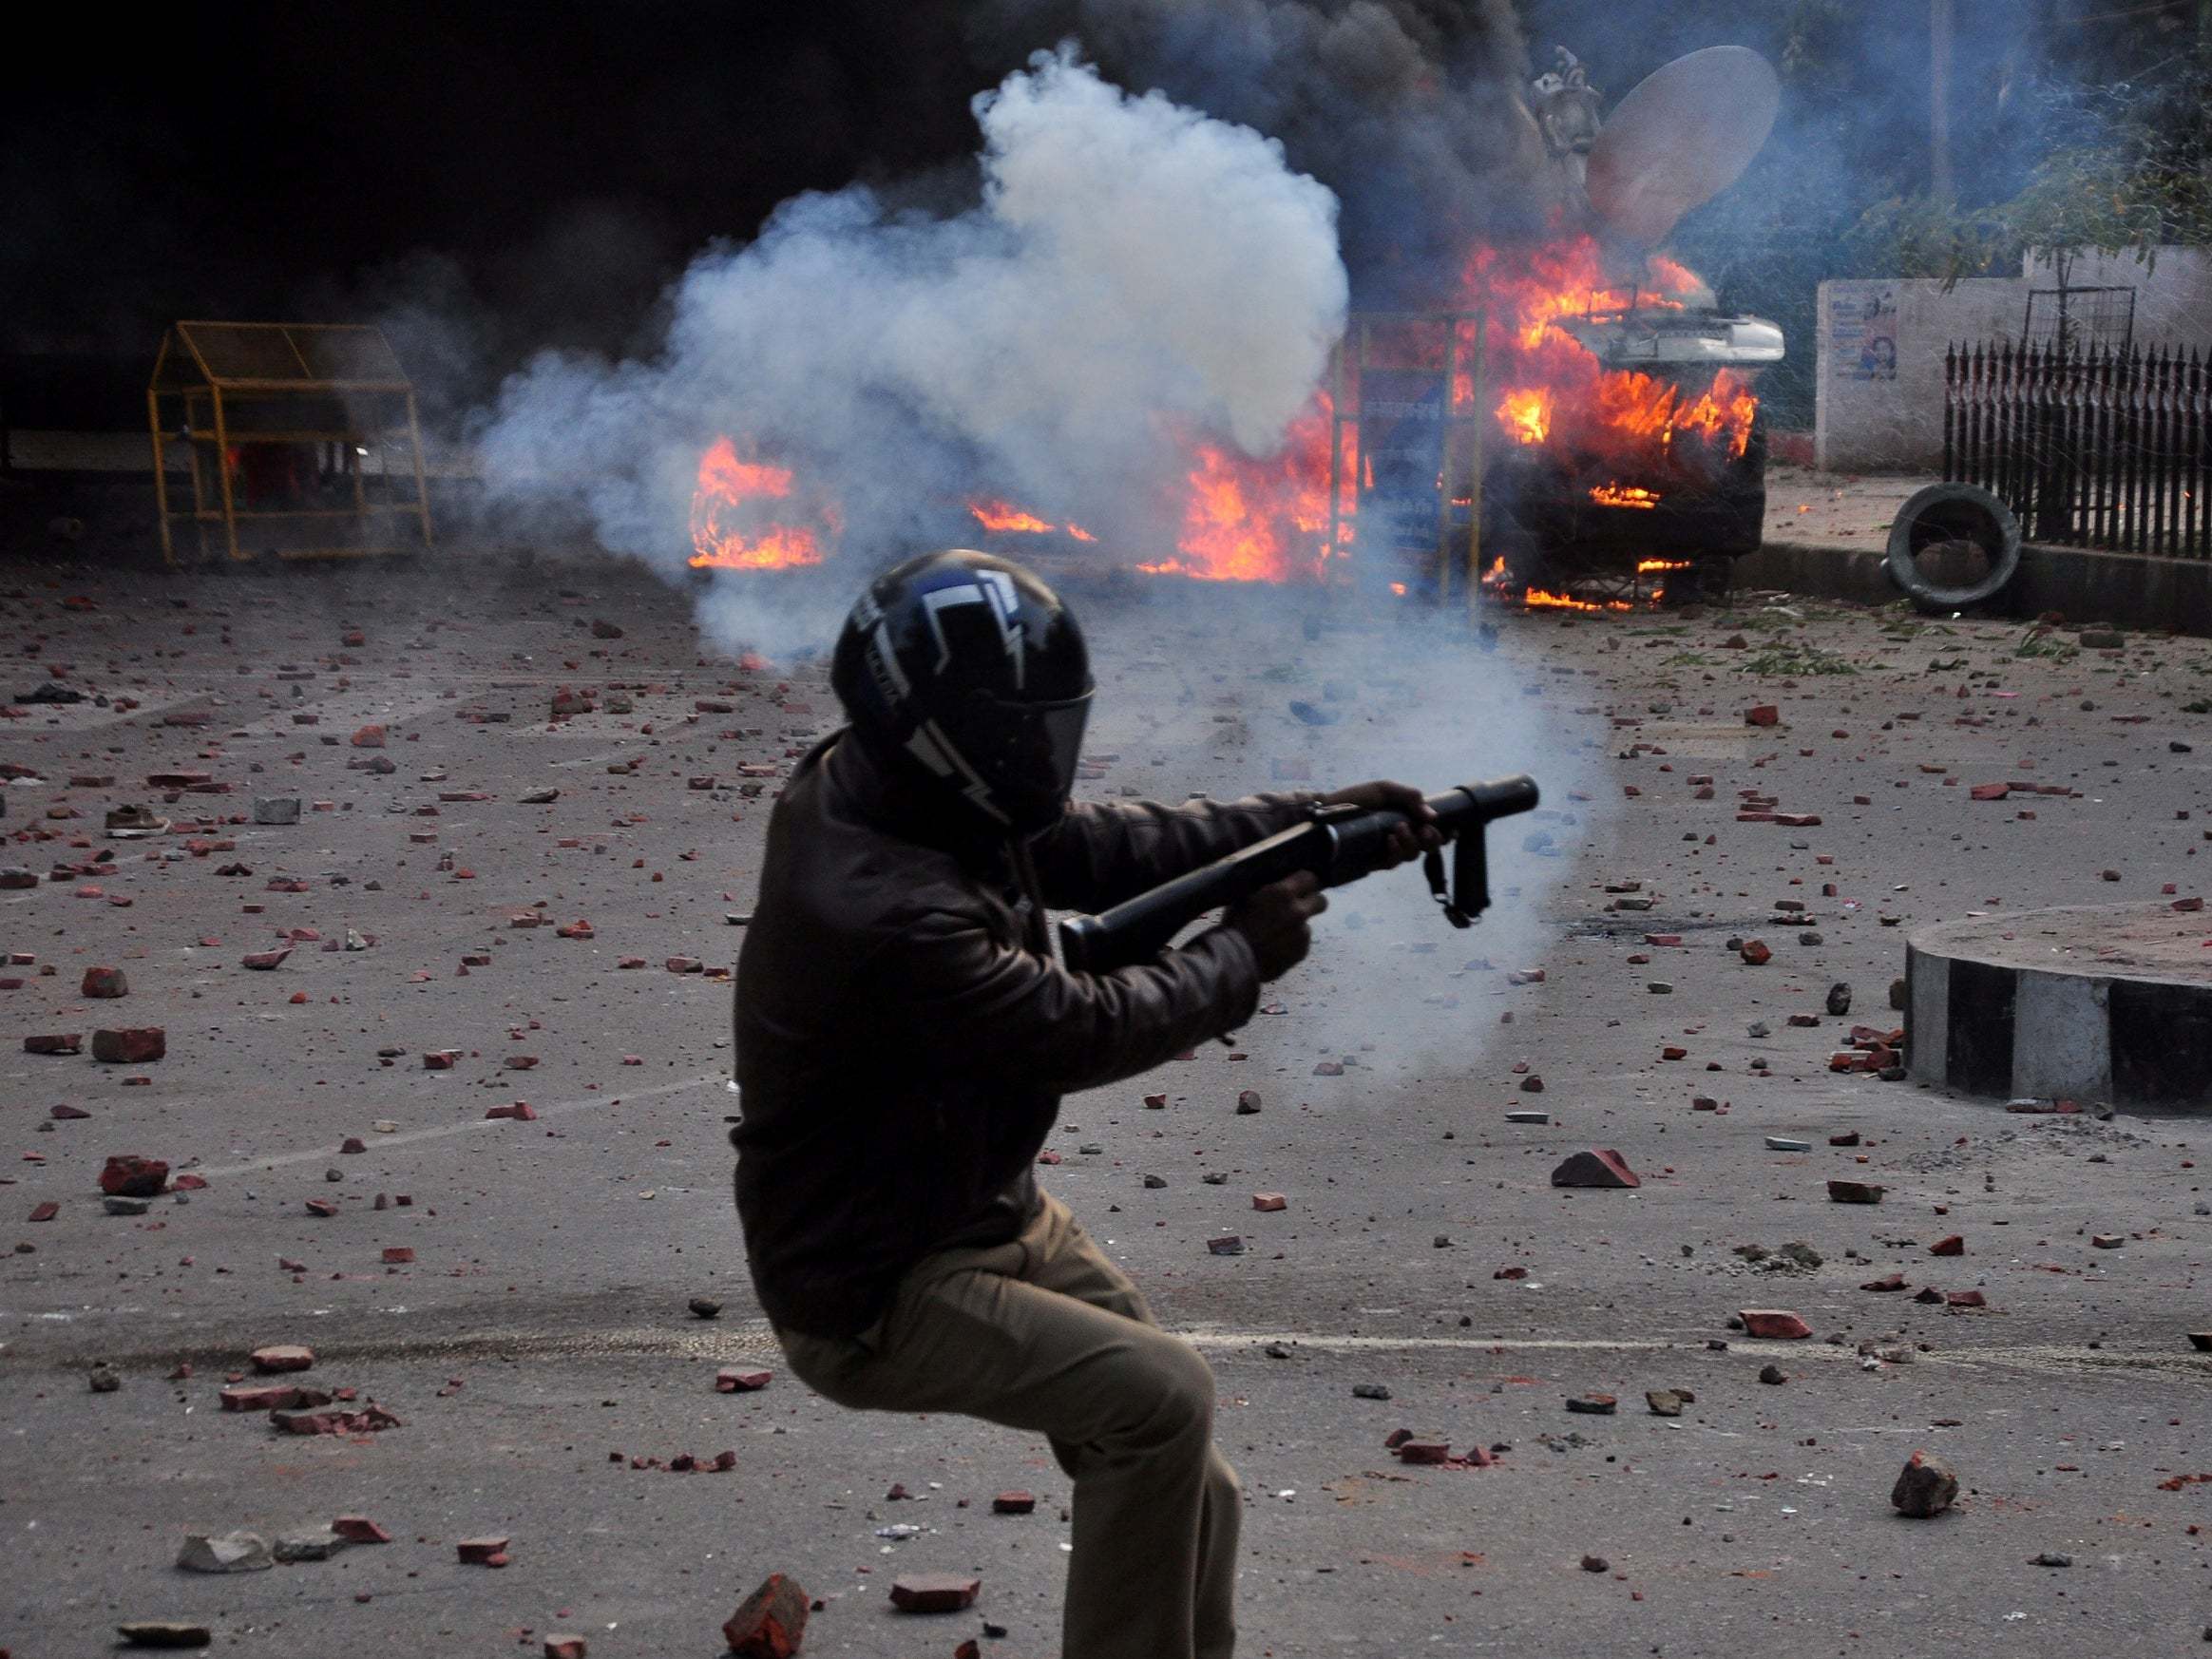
(1952, 546)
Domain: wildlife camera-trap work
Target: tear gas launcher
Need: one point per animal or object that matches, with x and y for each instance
(1339, 844)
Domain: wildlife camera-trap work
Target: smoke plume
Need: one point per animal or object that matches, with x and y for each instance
(1410, 110)
(1132, 270)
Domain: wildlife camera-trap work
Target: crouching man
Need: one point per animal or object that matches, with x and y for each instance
(905, 1035)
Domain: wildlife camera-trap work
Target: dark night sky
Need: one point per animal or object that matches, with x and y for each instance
(539, 172)
(247, 159)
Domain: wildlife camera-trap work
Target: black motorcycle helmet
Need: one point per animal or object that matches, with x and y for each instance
(968, 668)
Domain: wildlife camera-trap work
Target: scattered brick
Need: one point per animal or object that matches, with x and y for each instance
(918, 1592)
(1925, 1487)
(130, 1045)
(1774, 1324)
(770, 1623)
(129, 1175)
(1598, 1166)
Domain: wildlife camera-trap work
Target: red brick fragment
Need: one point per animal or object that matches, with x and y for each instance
(104, 981)
(398, 1256)
(935, 1591)
(368, 737)
(1967, 1298)
(128, 1175)
(1951, 1246)
(45, 1212)
(565, 1647)
(1014, 1503)
(1267, 1202)
(1889, 1281)
(1762, 715)
(1855, 1191)
(55, 1042)
(1423, 1451)
(483, 1551)
(262, 961)
(1598, 1166)
(733, 1380)
(282, 1357)
(130, 1045)
(1756, 952)
(521, 1111)
(770, 1623)
(260, 1397)
(359, 1528)
(1775, 1324)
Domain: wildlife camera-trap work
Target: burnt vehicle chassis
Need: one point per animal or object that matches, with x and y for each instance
(1696, 507)
(1538, 515)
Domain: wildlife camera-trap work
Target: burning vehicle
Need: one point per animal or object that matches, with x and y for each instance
(1646, 454)
(1586, 414)
(1578, 411)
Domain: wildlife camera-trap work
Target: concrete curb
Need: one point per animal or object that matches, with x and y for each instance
(2128, 590)
(2035, 1004)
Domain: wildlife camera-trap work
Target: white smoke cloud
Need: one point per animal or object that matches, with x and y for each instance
(1133, 270)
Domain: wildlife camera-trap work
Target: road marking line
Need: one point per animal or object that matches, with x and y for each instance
(437, 1132)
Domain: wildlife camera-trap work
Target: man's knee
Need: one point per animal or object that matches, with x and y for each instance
(1169, 1389)
(1222, 1485)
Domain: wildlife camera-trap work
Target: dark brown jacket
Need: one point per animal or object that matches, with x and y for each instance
(904, 1039)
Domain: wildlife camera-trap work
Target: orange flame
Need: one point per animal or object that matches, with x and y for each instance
(1527, 415)
(1246, 519)
(725, 514)
(1626, 495)
(1556, 385)
(1004, 516)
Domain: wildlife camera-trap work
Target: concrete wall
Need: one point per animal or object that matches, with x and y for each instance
(1878, 381)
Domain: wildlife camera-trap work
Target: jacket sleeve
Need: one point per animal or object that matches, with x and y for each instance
(961, 1001)
(1102, 853)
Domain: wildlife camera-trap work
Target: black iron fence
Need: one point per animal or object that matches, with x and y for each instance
(2090, 446)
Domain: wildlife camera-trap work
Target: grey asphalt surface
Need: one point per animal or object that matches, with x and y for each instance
(539, 1339)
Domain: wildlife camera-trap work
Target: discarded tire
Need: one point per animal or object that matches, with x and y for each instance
(1953, 513)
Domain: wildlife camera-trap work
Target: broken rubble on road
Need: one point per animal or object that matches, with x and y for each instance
(527, 1218)
(1925, 1487)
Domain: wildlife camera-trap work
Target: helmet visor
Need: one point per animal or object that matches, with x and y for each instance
(1027, 753)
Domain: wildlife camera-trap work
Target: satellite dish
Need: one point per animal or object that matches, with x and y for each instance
(1684, 134)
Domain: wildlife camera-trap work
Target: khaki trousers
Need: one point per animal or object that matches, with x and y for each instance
(1044, 1333)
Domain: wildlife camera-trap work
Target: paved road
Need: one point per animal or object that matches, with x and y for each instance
(539, 1341)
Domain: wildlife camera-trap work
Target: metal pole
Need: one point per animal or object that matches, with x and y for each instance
(1475, 488)
(414, 432)
(1444, 460)
(1336, 454)
(160, 478)
(230, 511)
(1940, 20)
